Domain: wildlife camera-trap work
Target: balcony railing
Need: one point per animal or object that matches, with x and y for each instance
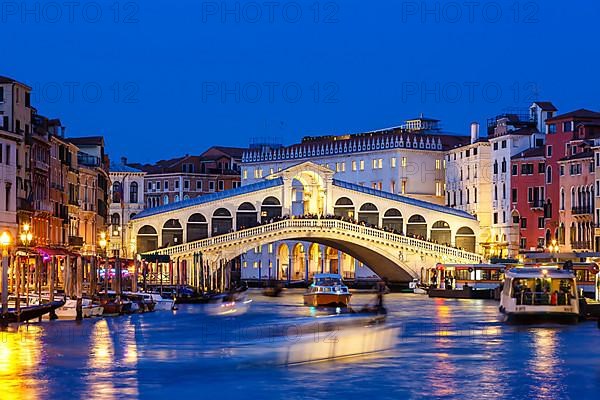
(582, 210)
(536, 204)
(76, 241)
(582, 245)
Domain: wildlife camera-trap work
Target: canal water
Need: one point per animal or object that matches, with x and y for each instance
(455, 349)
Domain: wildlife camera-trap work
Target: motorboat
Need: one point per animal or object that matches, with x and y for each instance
(417, 287)
(234, 303)
(162, 303)
(533, 294)
(327, 290)
(141, 302)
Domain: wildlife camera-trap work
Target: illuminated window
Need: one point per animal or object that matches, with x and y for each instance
(438, 189)
(438, 164)
(245, 173)
(255, 264)
(353, 165)
(403, 187)
(362, 165)
(270, 248)
(393, 162)
(403, 162)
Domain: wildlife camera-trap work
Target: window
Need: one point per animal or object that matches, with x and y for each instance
(258, 173)
(165, 199)
(115, 220)
(475, 151)
(503, 165)
(377, 163)
(149, 186)
(549, 174)
(495, 167)
(1, 95)
(133, 192)
(496, 146)
(340, 167)
(523, 242)
(221, 185)
(495, 217)
(541, 168)
(475, 195)
(562, 170)
(211, 186)
(552, 128)
(236, 184)
(177, 184)
(515, 169)
(504, 144)
(526, 169)
(549, 151)
(186, 184)
(393, 162)
(438, 164)
(116, 192)
(567, 126)
(362, 165)
(523, 222)
(353, 165)
(514, 195)
(166, 186)
(199, 185)
(245, 173)
(403, 187)
(438, 189)
(404, 162)
(540, 222)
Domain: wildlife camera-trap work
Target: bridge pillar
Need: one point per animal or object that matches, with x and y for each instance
(286, 196)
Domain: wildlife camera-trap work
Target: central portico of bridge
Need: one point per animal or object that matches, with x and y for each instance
(388, 232)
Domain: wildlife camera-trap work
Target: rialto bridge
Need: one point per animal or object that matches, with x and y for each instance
(342, 216)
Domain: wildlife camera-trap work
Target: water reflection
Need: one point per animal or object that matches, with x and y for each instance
(545, 365)
(20, 355)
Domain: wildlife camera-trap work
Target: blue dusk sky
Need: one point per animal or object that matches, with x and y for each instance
(161, 79)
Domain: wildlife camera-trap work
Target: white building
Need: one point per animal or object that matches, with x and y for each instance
(407, 160)
(469, 182)
(510, 134)
(127, 200)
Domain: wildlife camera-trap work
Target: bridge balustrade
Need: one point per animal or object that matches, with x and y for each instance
(329, 224)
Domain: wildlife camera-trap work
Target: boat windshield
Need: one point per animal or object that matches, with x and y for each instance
(327, 281)
(543, 291)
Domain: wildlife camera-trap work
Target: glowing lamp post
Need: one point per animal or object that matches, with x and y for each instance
(26, 237)
(553, 248)
(103, 242)
(4, 243)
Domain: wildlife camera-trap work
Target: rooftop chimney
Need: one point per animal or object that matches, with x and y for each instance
(474, 132)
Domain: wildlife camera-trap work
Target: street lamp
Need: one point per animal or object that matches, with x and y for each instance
(26, 237)
(103, 243)
(553, 248)
(4, 243)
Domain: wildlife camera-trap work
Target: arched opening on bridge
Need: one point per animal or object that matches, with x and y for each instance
(392, 219)
(246, 216)
(369, 214)
(298, 262)
(332, 260)
(270, 209)
(465, 239)
(308, 193)
(314, 260)
(416, 226)
(197, 227)
(283, 260)
(172, 233)
(222, 222)
(344, 208)
(440, 232)
(147, 239)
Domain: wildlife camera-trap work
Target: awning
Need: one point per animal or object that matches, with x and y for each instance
(55, 251)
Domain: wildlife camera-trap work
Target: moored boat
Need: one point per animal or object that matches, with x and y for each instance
(327, 290)
(532, 295)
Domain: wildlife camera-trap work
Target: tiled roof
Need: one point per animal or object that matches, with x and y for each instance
(581, 113)
(114, 167)
(533, 152)
(402, 199)
(266, 184)
(579, 156)
(546, 105)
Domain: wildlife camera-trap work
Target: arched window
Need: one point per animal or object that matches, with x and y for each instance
(133, 192)
(504, 165)
(116, 192)
(176, 198)
(562, 198)
(549, 174)
(115, 219)
(165, 199)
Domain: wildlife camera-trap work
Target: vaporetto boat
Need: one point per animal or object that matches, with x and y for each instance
(531, 295)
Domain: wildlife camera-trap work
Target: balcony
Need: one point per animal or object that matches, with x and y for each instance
(41, 165)
(582, 245)
(88, 160)
(537, 204)
(75, 241)
(582, 210)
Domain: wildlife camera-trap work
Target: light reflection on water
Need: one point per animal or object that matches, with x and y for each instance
(447, 349)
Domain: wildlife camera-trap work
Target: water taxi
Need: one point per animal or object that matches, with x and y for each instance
(466, 281)
(327, 290)
(540, 295)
